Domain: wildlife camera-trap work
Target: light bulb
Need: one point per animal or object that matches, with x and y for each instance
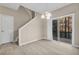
(42, 16)
(48, 15)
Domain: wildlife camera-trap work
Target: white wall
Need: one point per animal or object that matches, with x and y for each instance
(30, 32)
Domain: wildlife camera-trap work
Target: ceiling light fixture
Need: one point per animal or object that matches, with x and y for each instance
(46, 15)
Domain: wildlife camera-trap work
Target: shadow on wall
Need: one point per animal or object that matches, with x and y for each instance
(22, 17)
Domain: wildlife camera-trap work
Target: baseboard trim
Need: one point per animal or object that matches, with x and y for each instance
(76, 46)
(27, 42)
(6, 42)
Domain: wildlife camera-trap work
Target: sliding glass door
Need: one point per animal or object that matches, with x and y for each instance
(55, 30)
(65, 29)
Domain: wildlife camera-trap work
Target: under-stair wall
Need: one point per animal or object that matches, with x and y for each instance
(31, 31)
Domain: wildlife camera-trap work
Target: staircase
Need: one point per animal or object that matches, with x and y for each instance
(31, 31)
(31, 15)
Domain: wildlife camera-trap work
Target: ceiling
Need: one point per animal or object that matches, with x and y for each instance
(42, 7)
(38, 7)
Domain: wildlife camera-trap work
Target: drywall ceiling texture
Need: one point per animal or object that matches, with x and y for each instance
(37, 7)
(43, 7)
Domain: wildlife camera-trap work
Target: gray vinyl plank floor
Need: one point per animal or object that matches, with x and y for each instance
(41, 47)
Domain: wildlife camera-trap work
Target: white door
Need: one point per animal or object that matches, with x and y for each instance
(6, 29)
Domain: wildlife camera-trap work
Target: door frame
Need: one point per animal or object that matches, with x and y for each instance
(49, 27)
